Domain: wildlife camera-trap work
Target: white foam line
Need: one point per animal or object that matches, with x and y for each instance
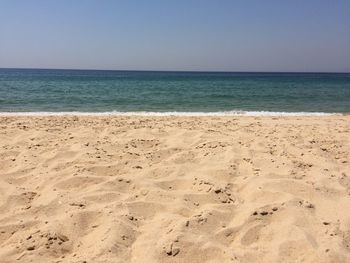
(174, 113)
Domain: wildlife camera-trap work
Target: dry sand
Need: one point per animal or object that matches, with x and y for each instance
(175, 189)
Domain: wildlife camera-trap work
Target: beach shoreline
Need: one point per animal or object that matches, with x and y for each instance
(234, 113)
(174, 188)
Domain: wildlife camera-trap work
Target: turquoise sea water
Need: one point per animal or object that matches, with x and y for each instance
(35, 90)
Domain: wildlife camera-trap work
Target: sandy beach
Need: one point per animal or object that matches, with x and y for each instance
(175, 189)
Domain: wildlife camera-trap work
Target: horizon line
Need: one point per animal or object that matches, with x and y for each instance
(180, 71)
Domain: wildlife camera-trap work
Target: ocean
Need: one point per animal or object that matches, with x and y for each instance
(43, 91)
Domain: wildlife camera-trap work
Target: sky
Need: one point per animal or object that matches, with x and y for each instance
(198, 35)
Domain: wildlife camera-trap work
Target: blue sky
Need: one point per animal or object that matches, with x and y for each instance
(219, 35)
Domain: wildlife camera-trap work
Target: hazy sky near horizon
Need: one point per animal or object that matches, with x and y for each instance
(219, 35)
